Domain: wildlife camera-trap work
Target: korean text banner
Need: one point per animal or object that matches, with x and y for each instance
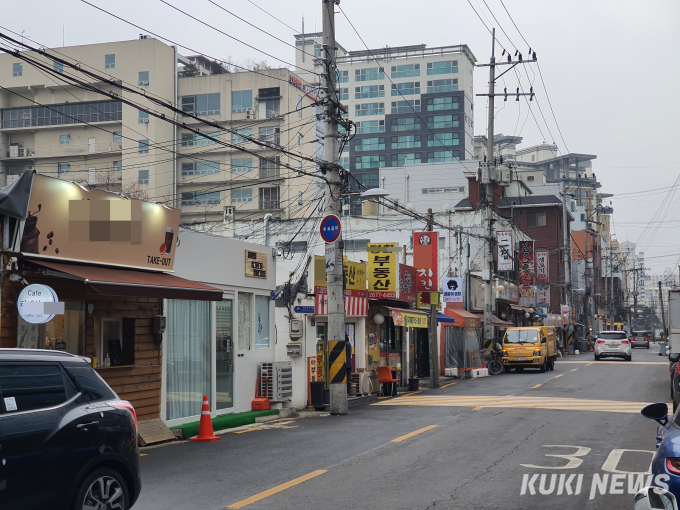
(354, 274)
(70, 222)
(542, 264)
(526, 263)
(382, 271)
(407, 283)
(425, 254)
(452, 290)
(543, 296)
(410, 320)
(505, 251)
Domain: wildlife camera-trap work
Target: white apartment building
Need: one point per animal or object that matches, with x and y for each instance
(62, 130)
(410, 104)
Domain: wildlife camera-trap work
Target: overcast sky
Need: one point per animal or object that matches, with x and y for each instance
(607, 64)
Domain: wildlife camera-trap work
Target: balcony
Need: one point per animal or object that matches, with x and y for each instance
(17, 152)
(269, 205)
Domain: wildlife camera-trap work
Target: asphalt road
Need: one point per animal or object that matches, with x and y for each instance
(511, 441)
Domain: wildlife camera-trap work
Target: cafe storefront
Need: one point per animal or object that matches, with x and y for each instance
(107, 258)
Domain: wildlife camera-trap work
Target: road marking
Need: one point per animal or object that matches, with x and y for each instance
(414, 393)
(478, 408)
(411, 434)
(249, 430)
(575, 370)
(588, 364)
(567, 404)
(278, 488)
(450, 384)
(558, 376)
(534, 387)
(283, 422)
(143, 454)
(612, 362)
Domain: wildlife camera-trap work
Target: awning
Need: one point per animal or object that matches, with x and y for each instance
(442, 318)
(540, 314)
(129, 282)
(500, 322)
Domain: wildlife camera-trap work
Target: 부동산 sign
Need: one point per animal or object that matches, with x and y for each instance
(382, 271)
(69, 222)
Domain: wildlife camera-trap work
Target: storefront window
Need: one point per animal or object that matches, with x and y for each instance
(224, 352)
(245, 321)
(262, 322)
(188, 354)
(62, 333)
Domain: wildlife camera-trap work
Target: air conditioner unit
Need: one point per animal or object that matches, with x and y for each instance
(279, 380)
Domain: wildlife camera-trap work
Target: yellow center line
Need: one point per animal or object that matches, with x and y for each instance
(143, 454)
(278, 488)
(588, 364)
(575, 370)
(249, 430)
(284, 422)
(478, 408)
(534, 387)
(450, 384)
(558, 376)
(411, 434)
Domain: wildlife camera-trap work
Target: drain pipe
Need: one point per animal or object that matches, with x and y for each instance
(267, 219)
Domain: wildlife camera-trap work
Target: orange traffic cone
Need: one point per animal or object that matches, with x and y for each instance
(205, 428)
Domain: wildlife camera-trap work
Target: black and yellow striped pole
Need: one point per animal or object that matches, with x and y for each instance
(337, 370)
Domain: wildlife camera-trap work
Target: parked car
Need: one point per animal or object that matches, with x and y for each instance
(612, 344)
(666, 460)
(66, 440)
(641, 339)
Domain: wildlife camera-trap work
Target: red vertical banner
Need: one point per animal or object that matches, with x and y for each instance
(526, 264)
(425, 256)
(407, 283)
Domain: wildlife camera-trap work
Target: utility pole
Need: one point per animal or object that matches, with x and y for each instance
(586, 275)
(434, 349)
(567, 256)
(336, 298)
(612, 308)
(663, 315)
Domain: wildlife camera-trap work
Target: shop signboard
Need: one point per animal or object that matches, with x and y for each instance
(526, 263)
(542, 264)
(407, 283)
(543, 296)
(70, 222)
(526, 296)
(382, 271)
(452, 290)
(424, 300)
(256, 264)
(356, 301)
(505, 251)
(425, 257)
(409, 320)
(38, 304)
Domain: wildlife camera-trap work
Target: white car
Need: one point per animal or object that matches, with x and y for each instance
(614, 344)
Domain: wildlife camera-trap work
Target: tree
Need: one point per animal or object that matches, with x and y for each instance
(133, 189)
(109, 180)
(190, 69)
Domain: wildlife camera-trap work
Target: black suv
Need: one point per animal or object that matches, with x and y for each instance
(66, 440)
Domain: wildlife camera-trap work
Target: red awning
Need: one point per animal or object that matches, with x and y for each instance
(129, 282)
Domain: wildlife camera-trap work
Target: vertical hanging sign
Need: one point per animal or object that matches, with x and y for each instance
(542, 264)
(505, 251)
(425, 255)
(382, 270)
(526, 264)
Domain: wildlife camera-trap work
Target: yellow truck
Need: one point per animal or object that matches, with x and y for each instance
(529, 347)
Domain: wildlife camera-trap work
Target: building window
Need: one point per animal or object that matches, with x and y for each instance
(369, 144)
(364, 162)
(117, 136)
(430, 191)
(192, 139)
(374, 73)
(405, 124)
(406, 71)
(366, 109)
(442, 121)
(436, 86)
(435, 104)
(59, 66)
(447, 67)
(64, 139)
(143, 177)
(300, 139)
(356, 244)
(370, 126)
(143, 147)
(369, 91)
(202, 104)
(241, 101)
(117, 166)
(536, 219)
(241, 135)
(143, 77)
(262, 315)
(270, 168)
(300, 201)
(343, 95)
(201, 168)
(317, 50)
(406, 159)
(240, 196)
(242, 165)
(299, 106)
(17, 70)
(343, 76)
(405, 106)
(270, 135)
(143, 117)
(109, 61)
(442, 140)
(201, 198)
(65, 113)
(344, 162)
(533, 158)
(408, 88)
(583, 217)
(271, 107)
(269, 199)
(443, 156)
(406, 142)
(530, 178)
(63, 168)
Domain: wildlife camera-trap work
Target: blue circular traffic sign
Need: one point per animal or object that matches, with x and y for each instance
(330, 228)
